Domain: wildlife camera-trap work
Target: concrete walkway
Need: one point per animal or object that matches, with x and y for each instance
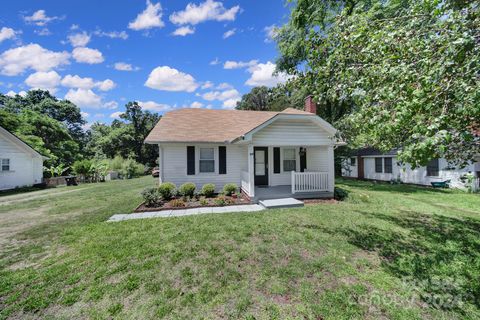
(185, 212)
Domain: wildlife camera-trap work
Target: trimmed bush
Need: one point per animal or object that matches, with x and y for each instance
(151, 197)
(187, 189)
(166, 190)
(208, 190)
(229, 189)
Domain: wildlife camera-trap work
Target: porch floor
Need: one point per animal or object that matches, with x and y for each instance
(279, 192)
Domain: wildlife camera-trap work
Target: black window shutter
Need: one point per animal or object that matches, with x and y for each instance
(222, 160)
(276, 160)
(190, 160)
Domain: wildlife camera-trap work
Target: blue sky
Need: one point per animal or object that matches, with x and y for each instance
(165, 54)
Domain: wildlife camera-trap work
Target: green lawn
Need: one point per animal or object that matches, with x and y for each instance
(397, 252)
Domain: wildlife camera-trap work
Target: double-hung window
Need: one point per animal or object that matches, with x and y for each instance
(289, 159)
(378, 165)
(353, 161)
(5, 164)
(207, 160)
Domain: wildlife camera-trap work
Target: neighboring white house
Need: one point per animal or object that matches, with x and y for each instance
(20, 165)
(267, 154)
(372, 165)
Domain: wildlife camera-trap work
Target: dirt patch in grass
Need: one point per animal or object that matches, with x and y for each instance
(319, 201)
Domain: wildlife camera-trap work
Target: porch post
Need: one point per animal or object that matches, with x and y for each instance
(293, 181)
(331, 169)
(251, 171)
(160, 164)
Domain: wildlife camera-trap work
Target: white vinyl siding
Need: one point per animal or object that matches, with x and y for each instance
(23, 169)
(292, 133)
(408, 175)
(174, 165)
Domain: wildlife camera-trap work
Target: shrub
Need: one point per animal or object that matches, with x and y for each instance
(208, 190)
(229, 189)
(151, 197)
(131, 169)
(177, 203)
(220, 201)
(340, 194)
(203, 202)
(166, 190)
(187, 189)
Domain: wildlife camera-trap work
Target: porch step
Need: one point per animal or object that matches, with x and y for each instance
(280, 203)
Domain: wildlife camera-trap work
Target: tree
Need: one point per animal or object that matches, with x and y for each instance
(405, 71)
(273, 99)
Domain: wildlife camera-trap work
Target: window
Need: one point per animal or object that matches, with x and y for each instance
(207, 160)
(5, 164)
(353, 161)
(387, 163)
(378, 165)
(289, 160)
(432, 168)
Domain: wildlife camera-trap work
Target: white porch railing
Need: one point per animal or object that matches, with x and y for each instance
(309, 181)
(246, 182)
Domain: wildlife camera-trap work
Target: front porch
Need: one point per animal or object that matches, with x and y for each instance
(279, 192)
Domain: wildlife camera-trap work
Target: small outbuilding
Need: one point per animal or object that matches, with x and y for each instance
(20, 164)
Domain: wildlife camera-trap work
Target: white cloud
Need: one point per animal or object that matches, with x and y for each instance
(79, 39)
(7, 33)
(183, 31)
(15, 61)
(270, 31)
(110, 105)
(154, 106)
(84, 98)
(44, 80)
(74, 27)
(85, 114)
(116, 115)
(170, 79)
(196, 104)
(224, 86)
(229, 33)
(111, 34)
(12, 94)
(87, 55)
(221, 95)
(263, 75)
(106, 85)
(43, 32)
(151, 17)
(40, 18)
(207, 85)
(122, 66)
(214, 62)
(239, 64)
(77, 82)
(230, 103)
(208, 10)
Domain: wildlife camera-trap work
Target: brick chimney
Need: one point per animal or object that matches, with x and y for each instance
(310, 105)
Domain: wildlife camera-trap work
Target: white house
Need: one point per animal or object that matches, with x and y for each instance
(371, 164)
(20, 165)
(267, 154)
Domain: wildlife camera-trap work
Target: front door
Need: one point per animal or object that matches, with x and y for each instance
(261, 165)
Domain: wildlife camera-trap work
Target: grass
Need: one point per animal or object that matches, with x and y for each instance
(389, 251)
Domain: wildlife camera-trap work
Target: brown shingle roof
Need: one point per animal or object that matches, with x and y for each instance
(204, 125)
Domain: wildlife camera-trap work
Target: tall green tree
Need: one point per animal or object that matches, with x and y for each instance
(406, 72)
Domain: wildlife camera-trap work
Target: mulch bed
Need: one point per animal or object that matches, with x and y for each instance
(230, 201)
